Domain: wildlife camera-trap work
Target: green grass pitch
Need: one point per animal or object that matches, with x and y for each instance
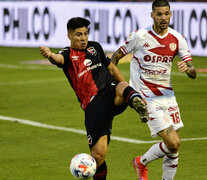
(41, 93)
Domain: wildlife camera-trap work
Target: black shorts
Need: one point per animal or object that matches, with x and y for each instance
(99, 115)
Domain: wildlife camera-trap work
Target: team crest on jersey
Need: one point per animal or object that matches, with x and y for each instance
(89, 139)
(172, 46)
(92, 51)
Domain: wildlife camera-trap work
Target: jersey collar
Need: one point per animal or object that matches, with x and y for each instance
(161, 37)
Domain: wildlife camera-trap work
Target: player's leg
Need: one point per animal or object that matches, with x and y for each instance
(98, 121)
(125, 93)
(159, 150)
(158, 122)
(98, 151)
(171, 139)
(170, 162)
(163, 121)
(168, 149)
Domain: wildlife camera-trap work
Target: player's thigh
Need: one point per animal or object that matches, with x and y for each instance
(158, 118)
(163, 112)
(174, 113)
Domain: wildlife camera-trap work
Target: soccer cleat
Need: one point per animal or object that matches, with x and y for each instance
(140, 169)
(141, 108)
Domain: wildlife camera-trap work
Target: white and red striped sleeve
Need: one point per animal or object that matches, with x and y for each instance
(183, 50)
(130, 44)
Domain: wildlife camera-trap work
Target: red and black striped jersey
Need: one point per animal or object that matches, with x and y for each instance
(86, 70)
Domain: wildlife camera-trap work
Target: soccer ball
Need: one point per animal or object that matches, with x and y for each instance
(83, 166)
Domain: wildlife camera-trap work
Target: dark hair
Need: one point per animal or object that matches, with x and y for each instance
(160, 3)
(77, 22)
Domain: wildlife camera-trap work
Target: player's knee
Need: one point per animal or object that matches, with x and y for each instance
(120, 88)
(174, 146)
(119, 99)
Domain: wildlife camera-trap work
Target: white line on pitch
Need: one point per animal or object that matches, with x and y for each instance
(64, 79)
(78, 131)
(32, 81)
(30, 67)
(45, 67)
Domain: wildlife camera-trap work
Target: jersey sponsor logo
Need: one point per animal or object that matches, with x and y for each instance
(173, 46)
(154, 72)
(171, 109)
(92, 51)
(87, 62)
(158, 58)
(127, 42)
(75, 58)
(89, 68)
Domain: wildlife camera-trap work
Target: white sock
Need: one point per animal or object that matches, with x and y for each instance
(169, 167)
(157, 151)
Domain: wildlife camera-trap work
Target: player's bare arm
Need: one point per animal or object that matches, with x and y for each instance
(115, 73)
(188, 68)
(56, 59)
(117, 56)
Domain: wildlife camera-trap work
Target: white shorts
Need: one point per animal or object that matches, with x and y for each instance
(163, 112)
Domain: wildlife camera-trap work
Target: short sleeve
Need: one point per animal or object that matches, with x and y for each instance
(130, 44)
(183, 50)
(65, 52)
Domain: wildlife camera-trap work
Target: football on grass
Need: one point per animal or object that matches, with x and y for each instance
(83, 166)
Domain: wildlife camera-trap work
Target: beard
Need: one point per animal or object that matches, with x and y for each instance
(163, 25)
(163, 28)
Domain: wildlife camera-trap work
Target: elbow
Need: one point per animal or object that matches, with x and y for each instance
(193, 77)
(194, 74)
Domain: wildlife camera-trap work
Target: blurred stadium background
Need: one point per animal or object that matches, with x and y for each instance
(41, 122)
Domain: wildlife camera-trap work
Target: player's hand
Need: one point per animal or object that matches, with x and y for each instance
(182, 66)
(45, 51)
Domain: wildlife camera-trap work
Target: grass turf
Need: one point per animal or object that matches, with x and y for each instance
(41, 93)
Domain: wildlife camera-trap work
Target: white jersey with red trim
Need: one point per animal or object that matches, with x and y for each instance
(150, 67)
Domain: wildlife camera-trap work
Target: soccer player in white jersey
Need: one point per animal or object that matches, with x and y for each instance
(154, 49)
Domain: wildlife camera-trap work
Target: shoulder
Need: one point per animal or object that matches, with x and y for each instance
(64, 50)
(176, 34)
(140, 32)
(93, 43)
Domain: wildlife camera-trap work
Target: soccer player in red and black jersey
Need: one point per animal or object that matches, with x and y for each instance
(91, 75)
